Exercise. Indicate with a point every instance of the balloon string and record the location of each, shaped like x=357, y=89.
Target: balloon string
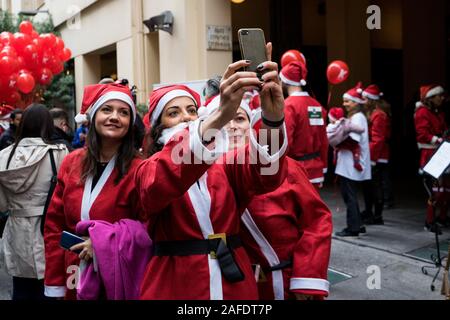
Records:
x=329, y=96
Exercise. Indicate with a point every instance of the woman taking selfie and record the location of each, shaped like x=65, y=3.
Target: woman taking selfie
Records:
x=94, y=183
x=193, y=202
x=25, y=179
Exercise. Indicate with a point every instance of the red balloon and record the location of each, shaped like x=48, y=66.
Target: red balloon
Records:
x=39, y=43
x=7, y=65
x=26, y=27
x=8, y=51
x=56, y=65
x=25, y=82
x=49, y=40
x=292, y=55
x=12, y=97
x=45, y=76
x=59, y=44
x=34, y=34
x=337, y=72
x=21, y=40
x=66, y=55
x=20, y=62
x=6, y=38
x=11, y=82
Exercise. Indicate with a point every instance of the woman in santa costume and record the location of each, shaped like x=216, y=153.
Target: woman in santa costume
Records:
x=94, y=183
x=195, y=193
x=378, y=113
x=350, y=177
x=431, y=130
x=292, y=264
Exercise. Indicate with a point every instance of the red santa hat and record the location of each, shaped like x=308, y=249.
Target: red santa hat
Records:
x=215, y=104
x=336, y=114
x=294, y=74
x=98, y=94
x=5, y=111
x=162, y=96
x=372, y=92
x=355, y=94
x=430, y=91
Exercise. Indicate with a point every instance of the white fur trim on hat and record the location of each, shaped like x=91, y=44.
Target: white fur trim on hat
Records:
x=354, y=99
x=290, y=82
x=113, y=95
x=215, y=104
x=80, y=118
x=371, y=96
x=165, y=99
x=434, y=92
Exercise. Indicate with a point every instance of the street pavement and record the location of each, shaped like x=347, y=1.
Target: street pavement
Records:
x=396, y=252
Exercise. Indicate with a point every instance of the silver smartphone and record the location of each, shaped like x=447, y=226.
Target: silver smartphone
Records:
x=253, y=47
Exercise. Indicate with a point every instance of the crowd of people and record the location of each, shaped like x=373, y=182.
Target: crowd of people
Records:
x=214, y=201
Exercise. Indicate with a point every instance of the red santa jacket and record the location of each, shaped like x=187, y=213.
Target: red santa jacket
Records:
x=191, y=200
x=113, y=203
x=297, y=209
x=379, y=135
x=307, y=136
x=430, y=126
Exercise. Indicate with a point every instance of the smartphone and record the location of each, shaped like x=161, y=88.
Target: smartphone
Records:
x=253, y=47
x=68, y=240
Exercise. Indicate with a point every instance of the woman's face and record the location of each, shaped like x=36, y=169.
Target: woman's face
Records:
x=349, y=105
x=113, y=119
x=438, y=100
x=238, y=129
x=179, y=110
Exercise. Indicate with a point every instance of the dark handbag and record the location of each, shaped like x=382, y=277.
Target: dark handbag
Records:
x=3, y=220
x=53, y=181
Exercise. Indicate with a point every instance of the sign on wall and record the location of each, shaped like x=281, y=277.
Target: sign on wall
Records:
x=219, y=38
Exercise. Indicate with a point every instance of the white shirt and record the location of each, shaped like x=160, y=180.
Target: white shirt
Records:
x=344, y=166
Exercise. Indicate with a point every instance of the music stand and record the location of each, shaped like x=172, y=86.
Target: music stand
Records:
x=435, y=169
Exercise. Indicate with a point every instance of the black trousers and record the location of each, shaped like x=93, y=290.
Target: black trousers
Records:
x=28, y=289
x=373, y=192
x=349, y=190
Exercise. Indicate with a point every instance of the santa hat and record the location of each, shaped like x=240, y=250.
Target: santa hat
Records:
x=162, y=96
x=336, y=114
x=294, y=74
x=430, y=91
x=355, y=94
x=372, y=92
x=98, y=94
x=5, y=111
x=215, y=104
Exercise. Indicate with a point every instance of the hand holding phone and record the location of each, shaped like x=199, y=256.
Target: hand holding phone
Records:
x=68, y=240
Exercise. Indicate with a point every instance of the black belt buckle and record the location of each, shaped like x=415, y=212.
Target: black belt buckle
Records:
x=230, y=270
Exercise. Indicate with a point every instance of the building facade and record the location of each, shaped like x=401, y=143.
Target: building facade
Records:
x=410, y=47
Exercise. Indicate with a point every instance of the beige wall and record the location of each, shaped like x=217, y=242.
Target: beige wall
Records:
x=63, y=9
x=97, y=29
x=183, y=55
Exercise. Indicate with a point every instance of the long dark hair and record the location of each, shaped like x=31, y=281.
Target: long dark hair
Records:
x=36, y=123
x=125, y=155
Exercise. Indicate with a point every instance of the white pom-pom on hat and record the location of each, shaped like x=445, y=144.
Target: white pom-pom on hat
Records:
x=359, y=90
x=303, y=82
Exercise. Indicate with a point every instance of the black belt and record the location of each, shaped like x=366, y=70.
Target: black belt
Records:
x=308, y=156
x=220, y=250
x=281, y=266
x=193, y=247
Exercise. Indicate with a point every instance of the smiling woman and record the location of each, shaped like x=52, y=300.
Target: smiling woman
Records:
x=96, y=186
